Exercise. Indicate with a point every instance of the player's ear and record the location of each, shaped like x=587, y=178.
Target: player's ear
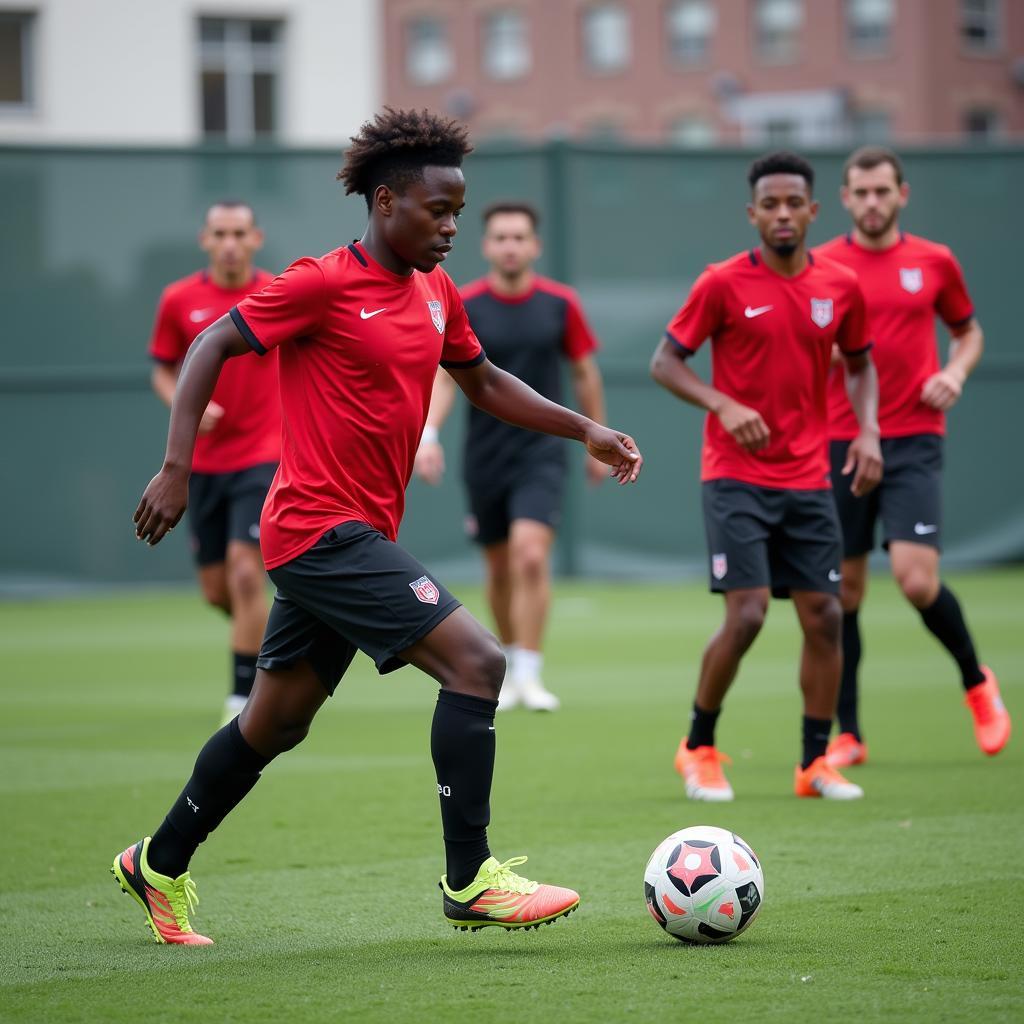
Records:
x=204, y=239
x=814, y=206
x=844, y=196
x=904, y=193
x=257, y=239
x=384, y=200
x=751, y=213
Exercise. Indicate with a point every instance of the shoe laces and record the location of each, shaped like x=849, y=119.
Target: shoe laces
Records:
x=503, y=877
x=183, y=898
x=708, y=763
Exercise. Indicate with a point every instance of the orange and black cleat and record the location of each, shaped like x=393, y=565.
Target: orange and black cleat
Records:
x=991, y=719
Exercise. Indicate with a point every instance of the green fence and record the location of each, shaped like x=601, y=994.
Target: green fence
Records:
x=91, y=236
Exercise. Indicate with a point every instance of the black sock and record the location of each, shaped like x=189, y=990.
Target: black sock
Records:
x=945, y=619
x=702, y=727
x=846, y=710
x=226, y=769
x=245, y=673
x=462, y=746
x=816, y=732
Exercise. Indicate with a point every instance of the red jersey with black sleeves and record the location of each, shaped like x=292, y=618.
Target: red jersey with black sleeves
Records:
x=907, y=286
x=249, y=432
x=771, y=344
x=359, y=347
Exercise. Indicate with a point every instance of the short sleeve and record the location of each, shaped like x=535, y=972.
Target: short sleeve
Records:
x=953, y=302
x=700, y=316
x=852, y=336
x=462, y=348
x=290, y=306
x=579, y=340
x=167, y=344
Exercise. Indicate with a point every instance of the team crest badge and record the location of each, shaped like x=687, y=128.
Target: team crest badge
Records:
x=719, y=566
x=425, y=591
x=436, y=314
x=821, y=312
x=911, y=279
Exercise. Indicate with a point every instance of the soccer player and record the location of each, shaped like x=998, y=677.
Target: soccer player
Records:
x=361, y=332
x=773, y=315
x=238, y=446
x=907, y=281
x=514, y=479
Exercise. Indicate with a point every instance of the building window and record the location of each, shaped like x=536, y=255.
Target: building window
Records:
x=240, y=71
x=983, y=124
x=869, y=25
x=606, y=37
x=778, y=24
x=980, y=24
x=16, y=59
x=689, y=26
x=870, y=125
x=506, y=49
x=692, y=132
x=428, y=53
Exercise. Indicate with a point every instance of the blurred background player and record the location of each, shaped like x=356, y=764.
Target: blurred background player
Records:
x=907, y=281
x=773, y=315
x=515, y=478
x=239, y=440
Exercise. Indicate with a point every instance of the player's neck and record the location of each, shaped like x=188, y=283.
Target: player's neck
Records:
x=877, y=243
x=518, y=284
x=230, y=280
x=786, y=266
x=373, y=242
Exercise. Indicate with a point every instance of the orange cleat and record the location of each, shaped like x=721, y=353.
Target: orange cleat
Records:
x=991, y=719
x=701, y=769
x=846, y=750
x=819, y=779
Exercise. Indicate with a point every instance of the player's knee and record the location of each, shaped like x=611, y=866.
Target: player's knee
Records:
x=851, y=594
x=217, y=596
x=245, y=582
x=824, y=621
x=531, y=562
x=745, y=621
x=481, y=668
x=919, y=586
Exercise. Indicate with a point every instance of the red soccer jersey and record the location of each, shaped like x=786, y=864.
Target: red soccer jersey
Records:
x=771, y=344
x=250, y=430
x=906, y=286
x=356, y=375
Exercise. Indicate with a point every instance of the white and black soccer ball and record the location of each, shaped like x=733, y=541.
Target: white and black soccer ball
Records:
x=704, y=884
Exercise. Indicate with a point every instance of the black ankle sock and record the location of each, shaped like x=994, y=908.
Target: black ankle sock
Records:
x=846, y=710
x=245, y=673
x=945, y=619
x=226, y=769
x=702, y=727
x=815, y=732
x=462, y=746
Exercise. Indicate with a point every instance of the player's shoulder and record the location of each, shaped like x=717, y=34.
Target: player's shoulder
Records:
x=828, y=268
x=924, y=248
x=186, y=285
x=835, y=248
x=474, y=289
x=549, y=286
x=736, y=266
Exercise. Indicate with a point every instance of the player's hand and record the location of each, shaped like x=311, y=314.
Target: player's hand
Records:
x=614, y=449
x=211, y=417
x=941, y=390
x=864, y=460
x=429, y=462
x=745, y=426
x=162, y=506
x=597, y=472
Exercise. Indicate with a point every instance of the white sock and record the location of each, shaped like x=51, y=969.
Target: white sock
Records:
x=511, y=658
x=528, y=664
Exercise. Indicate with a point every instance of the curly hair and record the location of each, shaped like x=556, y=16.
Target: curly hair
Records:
x=782, y=162
x=396, y=145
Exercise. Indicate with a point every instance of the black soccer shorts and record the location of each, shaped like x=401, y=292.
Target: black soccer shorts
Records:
x=223, y=507
x=534, y=492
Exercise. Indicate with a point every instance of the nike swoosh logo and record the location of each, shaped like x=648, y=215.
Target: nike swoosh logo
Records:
x=834, y=577
x=199, y=315
x=366, y=316
x=750, y=312
x=922, y=528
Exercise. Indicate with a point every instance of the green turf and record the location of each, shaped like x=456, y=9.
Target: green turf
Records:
x=321, y=890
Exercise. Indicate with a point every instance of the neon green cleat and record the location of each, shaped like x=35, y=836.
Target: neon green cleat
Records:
x=498, y=896
x=166, y=901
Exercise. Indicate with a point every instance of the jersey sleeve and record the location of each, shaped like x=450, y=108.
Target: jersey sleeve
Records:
x=953, y=302
x=167, y=344
x=699, y=317
x=290, y=306
x=462, y=348
x=579, y=340
x=852, y=336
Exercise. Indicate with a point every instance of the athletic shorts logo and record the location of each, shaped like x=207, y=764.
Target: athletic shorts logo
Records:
x=254, y=531
x=834, y=576
x=923, y=529
x=911, y=279
x=425, y=591
x=719, y=566
x=821, y=312
x=436, y=314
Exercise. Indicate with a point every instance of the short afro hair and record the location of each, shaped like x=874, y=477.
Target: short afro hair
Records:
x=396, y=145
x=781, y=162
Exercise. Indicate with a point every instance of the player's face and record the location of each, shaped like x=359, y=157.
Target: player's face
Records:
x=231, y=239
x=510, y=244
x=874, y=198
x=782, y=210
x=421, y=224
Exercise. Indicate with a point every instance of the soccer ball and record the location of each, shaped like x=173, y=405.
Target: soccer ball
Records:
x=704, y=884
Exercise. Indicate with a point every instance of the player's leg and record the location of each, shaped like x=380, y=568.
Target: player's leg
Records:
x=498, y=589
x=213, y=585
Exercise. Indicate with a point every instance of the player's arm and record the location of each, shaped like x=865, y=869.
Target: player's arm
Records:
x=509, y=399
x=864, y=456
x=429, y=464
x=164, y=500
x=589, y=390
x=966, y=344
x=669, y=367
x=164, y=379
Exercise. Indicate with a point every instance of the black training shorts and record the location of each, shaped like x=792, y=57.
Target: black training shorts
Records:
x=531, y=493
x=353, y=590
x=769, y=537
x=223, y=507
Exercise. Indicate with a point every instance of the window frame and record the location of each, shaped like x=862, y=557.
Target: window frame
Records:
x=675, y=58
x=995, y=17
x=868, y=48
x=487, y=19
x=778, y=59
x=407, y=49
x=27, y=19
x=587, y=12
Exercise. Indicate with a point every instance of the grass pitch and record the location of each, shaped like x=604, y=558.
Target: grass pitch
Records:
x=321, y=890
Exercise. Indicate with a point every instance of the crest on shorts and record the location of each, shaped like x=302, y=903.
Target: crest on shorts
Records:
x=911, y=279
x=821, y=312
x=425, y=591
x=436, y=314
x=719, y=566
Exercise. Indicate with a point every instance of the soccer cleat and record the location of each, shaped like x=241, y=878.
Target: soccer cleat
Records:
x=991, y=719
x=820, y=779
x=509, y=696
x=498, y=896
x=701, y=769
x=846, y=750
x=166, y=901
x=534, y=696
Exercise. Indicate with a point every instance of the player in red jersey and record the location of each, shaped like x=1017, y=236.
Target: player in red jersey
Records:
x=361, y=333
x=239, y=442
x=907, y=281
x=773, y=315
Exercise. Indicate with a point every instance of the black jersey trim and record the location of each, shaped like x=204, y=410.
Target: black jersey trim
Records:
x=358, y=255
x=463, y=364
x=165, y=362
x=753, y=257
x=246, y=331
x=962, y=323
x=860, y=351
x=810, y=257
x=681, y=350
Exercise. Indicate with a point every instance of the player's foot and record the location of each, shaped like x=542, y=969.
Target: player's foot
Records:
x=166, y=901
x=846, y=750
x=991, y=719
x=701, y=769
x=534, y=695
x=232, y=708
x=820, y=779
x=498, y=896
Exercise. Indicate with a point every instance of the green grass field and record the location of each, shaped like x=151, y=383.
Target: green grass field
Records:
x=321, y=890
